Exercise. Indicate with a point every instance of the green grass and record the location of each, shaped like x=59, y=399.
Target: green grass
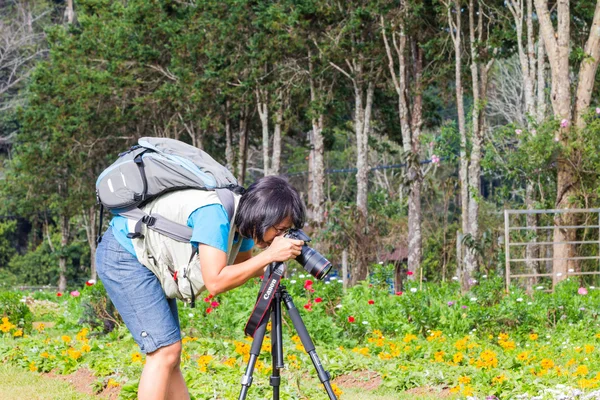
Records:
x=18, y=384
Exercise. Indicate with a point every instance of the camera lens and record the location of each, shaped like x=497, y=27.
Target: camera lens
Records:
x=313, y=262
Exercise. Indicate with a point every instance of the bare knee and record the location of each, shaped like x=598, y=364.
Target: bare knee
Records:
x=168, y=356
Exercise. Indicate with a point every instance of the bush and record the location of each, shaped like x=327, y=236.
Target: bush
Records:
x=16, y=311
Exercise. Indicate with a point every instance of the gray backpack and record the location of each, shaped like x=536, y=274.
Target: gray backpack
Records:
x=156, y=166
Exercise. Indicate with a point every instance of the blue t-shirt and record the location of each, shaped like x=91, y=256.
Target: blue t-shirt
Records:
x=210, y=226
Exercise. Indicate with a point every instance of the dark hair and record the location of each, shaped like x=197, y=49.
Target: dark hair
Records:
x=267, y=202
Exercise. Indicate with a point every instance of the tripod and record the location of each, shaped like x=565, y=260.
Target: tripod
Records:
x=282, y=296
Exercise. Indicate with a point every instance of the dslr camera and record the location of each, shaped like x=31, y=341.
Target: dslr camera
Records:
x=310, y=259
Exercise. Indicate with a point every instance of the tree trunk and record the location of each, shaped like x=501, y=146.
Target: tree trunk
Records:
x=541, y=81
x=91, y=232
x=317, y=162
x=362, y=120
x=531, y=251
x=262, y=104
x=557, y=48
x=70, y=12
x=276, y=158
x=62, y=259
x=243, y=145
x=229, y=155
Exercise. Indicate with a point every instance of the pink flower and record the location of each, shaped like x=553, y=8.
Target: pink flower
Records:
x=556, y=139
x=59, y=294
x=564, y=123
x=214, y=304
x=207, y=300
x=318, y=300
x=371, y=302
x=209, y=310
x=409, y=273
x=398, y=293
x=351, y=319
x=582, y=291
x=518, y=131
x=75, y=293
x=435, y=159
x=533, y=131
x=308, y=283
x=597, y=110
x=91, y=282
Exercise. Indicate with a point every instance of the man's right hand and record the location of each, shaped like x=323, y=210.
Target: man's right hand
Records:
x=284, y=249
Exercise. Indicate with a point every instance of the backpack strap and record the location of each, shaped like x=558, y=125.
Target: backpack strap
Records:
x=227, y=200
x=162, y=225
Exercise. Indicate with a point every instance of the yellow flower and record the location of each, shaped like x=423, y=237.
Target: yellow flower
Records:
x=547, y=363
x=523, y=356
x=74, y=354
x=188, y=339
x=6, y=325
x=439, y=356
x=45, y=355
x=41, y=327
x=503, y=336
x=230, y=362
x=468, y=391
x=570, y=362
x=507, y=344
x=18, y=332
x=464, y=380
x=597, y=336
x=336, y=390
x=533, y=336
x=82, y=335
x=86, y=348
x=363, y=350
x=455, y=389
x=434, y=335
x=458, y=357
x=462, y=343
x=112, y=383
x=136, y=357
x=581, y=370
x=409, y=337
x=589, y=348
x=498, y=379
x=66, y=338
x=32, y=366
x=266, y=347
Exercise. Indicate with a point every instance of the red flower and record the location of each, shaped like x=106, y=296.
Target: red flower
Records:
x=209, y=310
x=370, y=285
x=371, y=302
x=398, y=293
x=210, y=296
x=214, y=304
x=91, y=282
x=308, y=306
x=318, y=300
x=207, y=299
x=59, y=294
x=351, y=319
x=308, y=283
x=409, y=273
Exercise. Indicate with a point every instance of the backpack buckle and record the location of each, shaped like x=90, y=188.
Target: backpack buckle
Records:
x=149, y=220
x=135, y=235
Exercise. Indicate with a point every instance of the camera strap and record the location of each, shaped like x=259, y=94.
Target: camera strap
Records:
x=265, y=297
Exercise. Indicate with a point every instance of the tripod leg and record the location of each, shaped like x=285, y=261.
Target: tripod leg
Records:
x=308, y=343
x=254, y=352
x=276, y=345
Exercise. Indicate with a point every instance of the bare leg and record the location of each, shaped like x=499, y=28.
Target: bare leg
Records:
x=162, y=376
x=177, y=387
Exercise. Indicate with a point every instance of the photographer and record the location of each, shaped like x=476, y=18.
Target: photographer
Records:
x=263, y=214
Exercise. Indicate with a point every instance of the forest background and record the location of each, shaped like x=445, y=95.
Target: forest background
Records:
x=407, y=125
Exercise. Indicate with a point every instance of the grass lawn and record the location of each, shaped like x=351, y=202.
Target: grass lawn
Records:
x=18, y=384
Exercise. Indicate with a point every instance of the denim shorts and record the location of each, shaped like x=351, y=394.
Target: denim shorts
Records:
x=138, y=296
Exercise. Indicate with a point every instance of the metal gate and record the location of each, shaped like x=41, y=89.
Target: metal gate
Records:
x=519, y=236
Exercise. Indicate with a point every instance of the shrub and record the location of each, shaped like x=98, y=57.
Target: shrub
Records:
x=15, y=310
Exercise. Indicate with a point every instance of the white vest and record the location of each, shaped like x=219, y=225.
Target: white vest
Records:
x=168, y=258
